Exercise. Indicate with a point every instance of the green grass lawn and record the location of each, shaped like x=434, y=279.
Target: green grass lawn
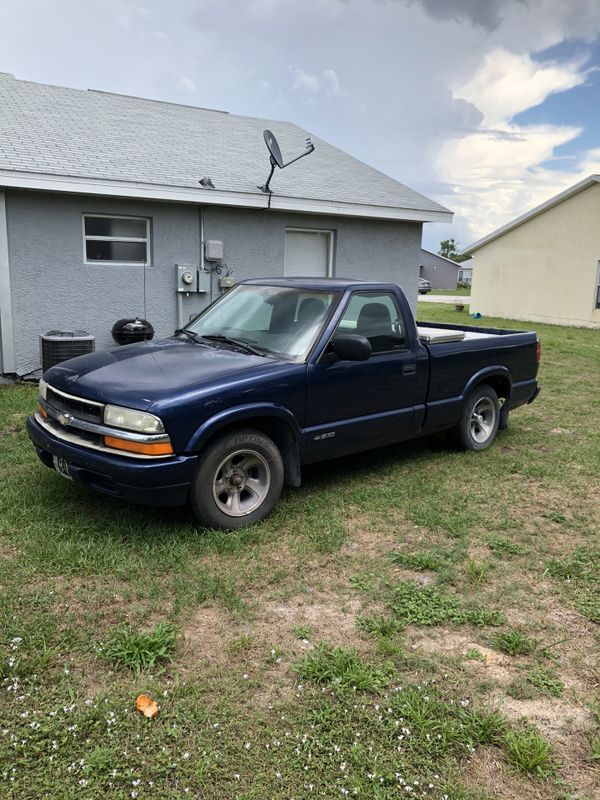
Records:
x=452, y=292
x=414, y=622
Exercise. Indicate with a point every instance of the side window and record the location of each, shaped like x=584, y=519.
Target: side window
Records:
x=377, y=318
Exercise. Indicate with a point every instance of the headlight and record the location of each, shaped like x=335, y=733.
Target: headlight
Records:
x=131, y=420
x=43, y=387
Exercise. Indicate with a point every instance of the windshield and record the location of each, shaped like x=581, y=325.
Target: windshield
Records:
x=277, y=320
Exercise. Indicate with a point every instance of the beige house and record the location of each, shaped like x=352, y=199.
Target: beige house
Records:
x=545, y=265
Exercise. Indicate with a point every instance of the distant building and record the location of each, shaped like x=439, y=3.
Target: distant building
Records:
x=105, y=200
x=545, y=265
x=441, y=272
x=465, y=271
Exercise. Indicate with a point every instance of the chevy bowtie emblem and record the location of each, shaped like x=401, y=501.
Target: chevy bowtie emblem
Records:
x=65, y=418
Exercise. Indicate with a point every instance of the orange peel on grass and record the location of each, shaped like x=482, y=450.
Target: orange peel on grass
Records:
x=146, y=706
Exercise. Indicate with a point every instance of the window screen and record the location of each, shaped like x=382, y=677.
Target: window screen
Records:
x=123, y=240
x=307, y=254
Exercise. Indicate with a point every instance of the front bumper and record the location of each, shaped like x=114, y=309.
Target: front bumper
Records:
x=156, y=482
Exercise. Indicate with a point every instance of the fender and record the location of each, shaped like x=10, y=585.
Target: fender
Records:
x=487, y=372
x=238, y=414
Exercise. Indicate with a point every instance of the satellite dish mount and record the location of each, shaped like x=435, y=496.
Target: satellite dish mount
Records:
x=276, y=158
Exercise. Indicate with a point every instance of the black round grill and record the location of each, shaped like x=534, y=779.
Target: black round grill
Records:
x=128, y=331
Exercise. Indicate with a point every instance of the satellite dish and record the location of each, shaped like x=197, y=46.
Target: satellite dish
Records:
x=273, y=148
x=276, y=158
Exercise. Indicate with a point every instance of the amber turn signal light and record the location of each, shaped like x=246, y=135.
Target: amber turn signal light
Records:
x=154, y=449
x=42, y=410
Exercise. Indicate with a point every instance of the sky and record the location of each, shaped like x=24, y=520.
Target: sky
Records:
x=489, y=107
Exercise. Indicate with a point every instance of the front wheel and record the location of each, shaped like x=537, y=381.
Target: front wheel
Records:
x=479, y=423
x=238, y=481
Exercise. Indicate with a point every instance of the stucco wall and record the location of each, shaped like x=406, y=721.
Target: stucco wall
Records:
x=441, y=273
x=546, y=269
x=52, y=287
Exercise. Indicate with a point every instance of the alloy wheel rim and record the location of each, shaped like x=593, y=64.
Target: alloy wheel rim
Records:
x=241, y=483
x=483, y=419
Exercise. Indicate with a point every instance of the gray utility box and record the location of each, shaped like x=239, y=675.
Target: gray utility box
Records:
x=213, y=250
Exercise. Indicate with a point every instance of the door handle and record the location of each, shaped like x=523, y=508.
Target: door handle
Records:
x=409, y=369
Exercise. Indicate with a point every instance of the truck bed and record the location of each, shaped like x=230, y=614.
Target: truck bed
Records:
x=452, y=362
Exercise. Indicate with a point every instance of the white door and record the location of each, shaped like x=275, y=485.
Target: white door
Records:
x=307, y=254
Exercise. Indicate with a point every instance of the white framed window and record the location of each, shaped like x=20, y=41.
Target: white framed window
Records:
x=308, y=253
x=110, y=239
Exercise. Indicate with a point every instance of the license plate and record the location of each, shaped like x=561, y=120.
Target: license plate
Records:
x=62, y=467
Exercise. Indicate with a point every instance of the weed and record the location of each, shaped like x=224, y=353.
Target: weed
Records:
x=378, y=625
x=514, y=642
x=529, y=752
x=476, y=572
x=587, y=601
x=342, y=668
x=364, y=581
x=595, y=748
x=582, y=564
x=241, y=644
x=140, y=651
x=420, y=562
x=546, y=681
x=428, y=605
x=502, y=546
x=274, y=656
x=475, y=655
x=302, y=632
x=555, y=516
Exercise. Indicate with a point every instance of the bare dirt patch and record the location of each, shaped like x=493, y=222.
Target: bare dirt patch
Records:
x=487, y=770
x=445, y=642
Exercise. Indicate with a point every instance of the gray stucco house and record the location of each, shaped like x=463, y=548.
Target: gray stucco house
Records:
x=100, y=200
x=441, y=272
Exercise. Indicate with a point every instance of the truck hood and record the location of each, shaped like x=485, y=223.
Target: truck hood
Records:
x=137, y=375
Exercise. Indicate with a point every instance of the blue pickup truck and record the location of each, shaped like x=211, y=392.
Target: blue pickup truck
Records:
x=277, y=373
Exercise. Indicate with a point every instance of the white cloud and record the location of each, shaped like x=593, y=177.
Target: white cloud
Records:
x=186, y=84
x=507, y=83
x=499, y=170
x=332, y=84
x=302, y=80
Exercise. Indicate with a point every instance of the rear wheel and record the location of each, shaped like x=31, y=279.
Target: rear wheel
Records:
x=479, y=423
x=238, y=481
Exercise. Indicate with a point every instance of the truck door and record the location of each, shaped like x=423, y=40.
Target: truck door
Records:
x=354, y=405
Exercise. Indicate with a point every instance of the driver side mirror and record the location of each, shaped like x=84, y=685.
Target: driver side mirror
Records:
x=348, y=347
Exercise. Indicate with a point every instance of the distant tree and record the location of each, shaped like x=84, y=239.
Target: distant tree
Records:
x=448, y=249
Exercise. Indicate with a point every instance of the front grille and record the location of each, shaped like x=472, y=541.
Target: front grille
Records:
x=84, y=436
x=77, y=406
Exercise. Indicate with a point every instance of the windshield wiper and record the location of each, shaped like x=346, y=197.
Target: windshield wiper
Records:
x=219, y=337
x=190, y=334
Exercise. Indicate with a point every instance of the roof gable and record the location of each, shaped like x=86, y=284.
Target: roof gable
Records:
x=553, y=201
x=71, y=137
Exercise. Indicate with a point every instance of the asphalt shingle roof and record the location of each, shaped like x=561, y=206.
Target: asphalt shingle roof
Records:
x=56, y=131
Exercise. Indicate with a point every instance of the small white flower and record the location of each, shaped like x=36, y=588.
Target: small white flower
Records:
x=186, y=755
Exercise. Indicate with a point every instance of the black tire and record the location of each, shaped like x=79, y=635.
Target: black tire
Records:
x=245, y=464
x=481, y=416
